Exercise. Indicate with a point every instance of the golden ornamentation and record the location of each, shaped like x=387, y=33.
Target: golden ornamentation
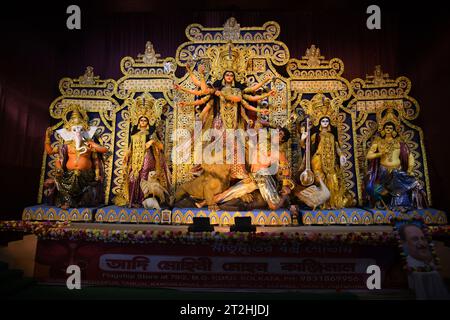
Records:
x=377, y=100
x=379, y=78
x=379, y=87
x=145, y=106
x=229, y=110
x=268, y=32
x=78, y=117
x=266, y=52
x=260, y=50
x=122, y=132
x=88, y=78
x=314, y=66
x=313, y=74
x=259, y=65
x=93, y=96
x=228, y=58
x=143, y=76
x=138, y=142
x=260, y=40
x=389, y=116
x=327, y=151
x=76, y=87
x=231, y=30
x=313, y=57
x=150, y=56
x=387, y=147
x=320, y=106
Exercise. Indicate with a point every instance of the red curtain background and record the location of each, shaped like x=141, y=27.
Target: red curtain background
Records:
x=37, y=51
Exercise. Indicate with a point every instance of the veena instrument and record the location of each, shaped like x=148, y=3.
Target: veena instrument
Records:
x=307, y=176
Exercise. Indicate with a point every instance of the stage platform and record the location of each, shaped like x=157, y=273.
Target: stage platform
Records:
x=335, y=229
x=332, y=257
x=154, y=255
x=281, y=217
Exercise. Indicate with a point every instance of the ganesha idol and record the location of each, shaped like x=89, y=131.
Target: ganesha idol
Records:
x=78, y=168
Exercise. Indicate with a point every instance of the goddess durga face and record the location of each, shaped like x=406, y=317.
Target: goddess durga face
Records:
x=229, y=77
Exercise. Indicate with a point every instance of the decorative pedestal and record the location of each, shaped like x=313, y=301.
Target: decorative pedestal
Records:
x=385, y=216
x=51, y=213
x=345, y=216
x=130, y=215
x=430, y=216
x=259, y=217
x=358, y=216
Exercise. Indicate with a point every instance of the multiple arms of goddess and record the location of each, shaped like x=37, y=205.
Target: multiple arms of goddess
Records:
x=199, y=83
x=251, y=108
x=255, y=87
x=195, y=102
x=260, y=97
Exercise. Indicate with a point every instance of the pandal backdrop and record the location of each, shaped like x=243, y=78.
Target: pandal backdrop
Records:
x=151, y=78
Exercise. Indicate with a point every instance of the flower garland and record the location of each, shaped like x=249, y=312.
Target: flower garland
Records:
x=30, y=226
x=439, y=231
x=63, y=231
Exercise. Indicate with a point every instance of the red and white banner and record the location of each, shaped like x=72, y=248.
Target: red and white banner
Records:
x=218, y=265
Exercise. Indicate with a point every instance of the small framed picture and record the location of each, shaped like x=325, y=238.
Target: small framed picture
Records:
x=166, y=216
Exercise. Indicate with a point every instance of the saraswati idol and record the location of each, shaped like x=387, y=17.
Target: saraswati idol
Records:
x=327, y=155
